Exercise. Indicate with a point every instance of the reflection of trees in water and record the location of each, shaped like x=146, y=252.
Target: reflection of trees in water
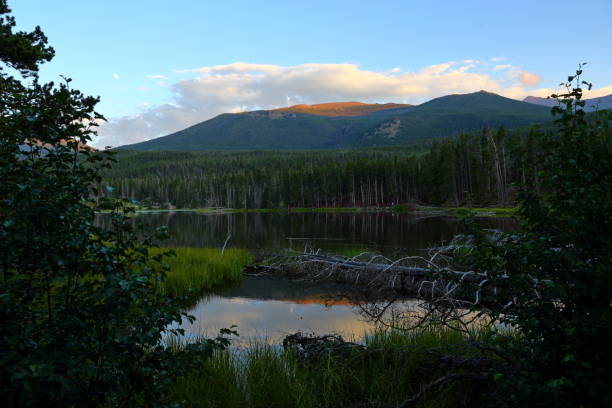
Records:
x=379, y=231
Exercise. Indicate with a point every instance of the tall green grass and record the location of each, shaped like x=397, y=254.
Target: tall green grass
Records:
x=399, y=365
x=482, y=212
x=194, y=270
x=353, y=252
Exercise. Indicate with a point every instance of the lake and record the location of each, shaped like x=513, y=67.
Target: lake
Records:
x=386, y=232
x=270, y=308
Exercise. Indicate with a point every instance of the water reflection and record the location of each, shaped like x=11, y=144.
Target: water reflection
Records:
x=272, y=308
x=384, y=232
x=272, y=319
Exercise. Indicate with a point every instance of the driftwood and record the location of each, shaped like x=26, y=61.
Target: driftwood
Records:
x=377, y=279
x=311, y=348
x=406, y=292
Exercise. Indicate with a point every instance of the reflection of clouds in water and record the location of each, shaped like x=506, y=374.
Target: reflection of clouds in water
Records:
x=274, y=319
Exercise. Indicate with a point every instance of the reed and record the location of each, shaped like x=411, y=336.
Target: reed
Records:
x=356, y=252
x=265, y=375
x=194, y=270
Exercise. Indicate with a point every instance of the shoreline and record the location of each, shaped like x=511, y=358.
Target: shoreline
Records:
x=427, y=210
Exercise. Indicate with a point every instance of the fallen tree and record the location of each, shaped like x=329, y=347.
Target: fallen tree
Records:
x=406, y=292
x=435, y=277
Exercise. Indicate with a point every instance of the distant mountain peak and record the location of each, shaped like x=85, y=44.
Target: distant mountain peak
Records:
x=536, y=100
x=603, y=102
x=341, y=108
x=482, y=92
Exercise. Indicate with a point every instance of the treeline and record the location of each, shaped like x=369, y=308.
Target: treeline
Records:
x=471, y=169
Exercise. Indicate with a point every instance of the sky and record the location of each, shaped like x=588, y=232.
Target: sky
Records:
x=161, y=66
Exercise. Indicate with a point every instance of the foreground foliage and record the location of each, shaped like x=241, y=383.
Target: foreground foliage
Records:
x=393, y=366
x=559, y=269
x=80, y=317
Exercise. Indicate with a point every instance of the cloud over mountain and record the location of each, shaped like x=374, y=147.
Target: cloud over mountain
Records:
x=529, y=79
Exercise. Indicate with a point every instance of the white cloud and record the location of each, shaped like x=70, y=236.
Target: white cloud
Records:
x=529, y=79
x=116, y=76
x=393, y=71
x=143, y=88
x=502, y=67
x=237, y=87
x=597, y=93
x=236, y=67
x=437, y=69
x=497, y=59
x=155, y=76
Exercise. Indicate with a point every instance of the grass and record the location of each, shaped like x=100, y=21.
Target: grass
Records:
x=497, y=212
x=284, y=210
x=194, y=270
x=397, y=209
x=264, y=375
x=403, y=208
x=476, y=211
x=351, y=252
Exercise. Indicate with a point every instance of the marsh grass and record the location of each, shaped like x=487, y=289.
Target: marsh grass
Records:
x=355, y=252
x=264, y=375
x=482, y=212
x=217, y=210
x=194, y=270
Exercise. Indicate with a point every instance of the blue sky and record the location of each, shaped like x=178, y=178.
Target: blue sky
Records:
x=160, y=66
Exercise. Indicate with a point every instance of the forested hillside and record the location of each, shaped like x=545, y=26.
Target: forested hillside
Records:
x=299, y=128
x=477, y=168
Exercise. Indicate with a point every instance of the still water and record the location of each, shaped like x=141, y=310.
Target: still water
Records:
x=270, y=308
x=386, y=233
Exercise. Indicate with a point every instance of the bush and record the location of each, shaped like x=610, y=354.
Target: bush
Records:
x=81, y=321
x=559, y=269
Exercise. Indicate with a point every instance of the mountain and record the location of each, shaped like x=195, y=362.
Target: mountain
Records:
x=351, y=124
x=536, y=100
x=342, y=108
x=593, y=104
